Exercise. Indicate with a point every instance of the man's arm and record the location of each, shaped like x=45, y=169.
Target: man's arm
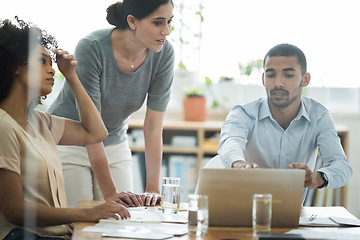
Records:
x=233, y=139
x=336, y=169
x=244, y=164
x=312, y=179
x=335, y=164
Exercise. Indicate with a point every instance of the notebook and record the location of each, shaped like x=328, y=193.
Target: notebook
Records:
x=230, y=193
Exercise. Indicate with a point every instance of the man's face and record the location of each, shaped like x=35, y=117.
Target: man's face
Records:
x=284, y=81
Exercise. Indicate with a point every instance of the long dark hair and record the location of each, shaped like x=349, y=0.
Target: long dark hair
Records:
x=117, y=13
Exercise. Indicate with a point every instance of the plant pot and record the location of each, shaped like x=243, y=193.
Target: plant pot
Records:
x=194, y=108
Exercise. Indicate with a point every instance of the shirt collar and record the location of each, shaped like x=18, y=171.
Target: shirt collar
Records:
x=303, y=112
x=265, y=110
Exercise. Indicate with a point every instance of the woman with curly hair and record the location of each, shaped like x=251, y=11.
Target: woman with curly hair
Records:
x=32, y=197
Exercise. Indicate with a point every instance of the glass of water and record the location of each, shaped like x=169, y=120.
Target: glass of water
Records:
x=198, y=214
x=261, y=212
x=170, y=195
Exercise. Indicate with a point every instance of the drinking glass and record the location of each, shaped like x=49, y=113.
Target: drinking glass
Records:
x=170, y=195
x=198, y=214
x=261, y=212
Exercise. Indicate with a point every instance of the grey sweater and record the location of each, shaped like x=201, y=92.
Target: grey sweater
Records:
x=116, y=93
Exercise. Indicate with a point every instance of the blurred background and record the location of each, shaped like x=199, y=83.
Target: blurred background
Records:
x=220, y=46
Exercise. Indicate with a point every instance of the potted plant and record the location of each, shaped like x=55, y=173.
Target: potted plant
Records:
x=194, y=105
x=186, y=35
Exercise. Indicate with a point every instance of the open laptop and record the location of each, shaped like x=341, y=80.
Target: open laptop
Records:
x=230, y=193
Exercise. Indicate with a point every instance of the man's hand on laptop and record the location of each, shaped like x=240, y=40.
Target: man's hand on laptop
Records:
x=312, y=179
x=244, y=164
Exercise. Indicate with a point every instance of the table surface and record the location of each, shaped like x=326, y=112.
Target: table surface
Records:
x=233, y=233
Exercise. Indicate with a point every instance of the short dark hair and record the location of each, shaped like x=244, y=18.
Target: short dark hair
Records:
x=16, y=42
x=117, y=13
x=288, y=50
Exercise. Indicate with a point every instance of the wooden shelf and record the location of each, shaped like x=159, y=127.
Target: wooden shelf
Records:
x=181, y=125
x=203, y=147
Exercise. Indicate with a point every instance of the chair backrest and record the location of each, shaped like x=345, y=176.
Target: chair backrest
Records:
x=215, y=162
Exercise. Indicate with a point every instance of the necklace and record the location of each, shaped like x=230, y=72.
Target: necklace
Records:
x=134, y=62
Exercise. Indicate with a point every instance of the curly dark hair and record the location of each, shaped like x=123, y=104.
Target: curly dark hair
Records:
x=16, y=41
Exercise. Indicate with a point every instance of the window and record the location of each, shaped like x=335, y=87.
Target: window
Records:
x=243, y=30
x=233, y=31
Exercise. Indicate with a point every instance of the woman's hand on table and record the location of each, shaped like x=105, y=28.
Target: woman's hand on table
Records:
x=127, y=199
x=106, y=210
x=150, y=198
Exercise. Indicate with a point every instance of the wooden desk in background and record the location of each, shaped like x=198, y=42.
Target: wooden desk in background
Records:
x=214, y=233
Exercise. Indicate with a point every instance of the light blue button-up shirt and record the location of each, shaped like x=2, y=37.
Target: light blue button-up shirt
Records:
x=250, y=133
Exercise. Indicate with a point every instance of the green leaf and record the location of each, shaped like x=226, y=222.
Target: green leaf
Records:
x=181, y=65
x=194, y=92
x=251, y=65
x=214, y=104
x=208, y=81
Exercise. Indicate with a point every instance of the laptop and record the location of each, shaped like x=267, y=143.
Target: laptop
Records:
x=230, y=193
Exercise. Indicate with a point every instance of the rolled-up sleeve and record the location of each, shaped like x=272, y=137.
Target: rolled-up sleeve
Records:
x=233, y=137
x=335, y=164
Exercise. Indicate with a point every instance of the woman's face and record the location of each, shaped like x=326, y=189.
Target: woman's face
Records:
x=153, y=30
x=38, y=73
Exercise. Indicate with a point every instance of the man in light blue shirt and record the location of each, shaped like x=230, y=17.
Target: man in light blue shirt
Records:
x=284, y=129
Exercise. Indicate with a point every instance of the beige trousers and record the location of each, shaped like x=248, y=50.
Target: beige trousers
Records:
x=80, y=182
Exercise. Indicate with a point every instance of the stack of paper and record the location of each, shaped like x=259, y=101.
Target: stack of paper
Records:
x=137, y=217
x=145, y=223
x=138, y=230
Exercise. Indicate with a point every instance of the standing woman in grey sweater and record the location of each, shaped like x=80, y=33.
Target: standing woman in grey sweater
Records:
x=121, y=68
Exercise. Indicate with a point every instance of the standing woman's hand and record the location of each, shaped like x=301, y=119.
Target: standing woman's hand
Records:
x=151, y=198
x=127, y=199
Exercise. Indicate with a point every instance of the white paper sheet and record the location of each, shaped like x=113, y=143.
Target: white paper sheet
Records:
x=319, y=222
x=138, y=229
x=346, y=221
